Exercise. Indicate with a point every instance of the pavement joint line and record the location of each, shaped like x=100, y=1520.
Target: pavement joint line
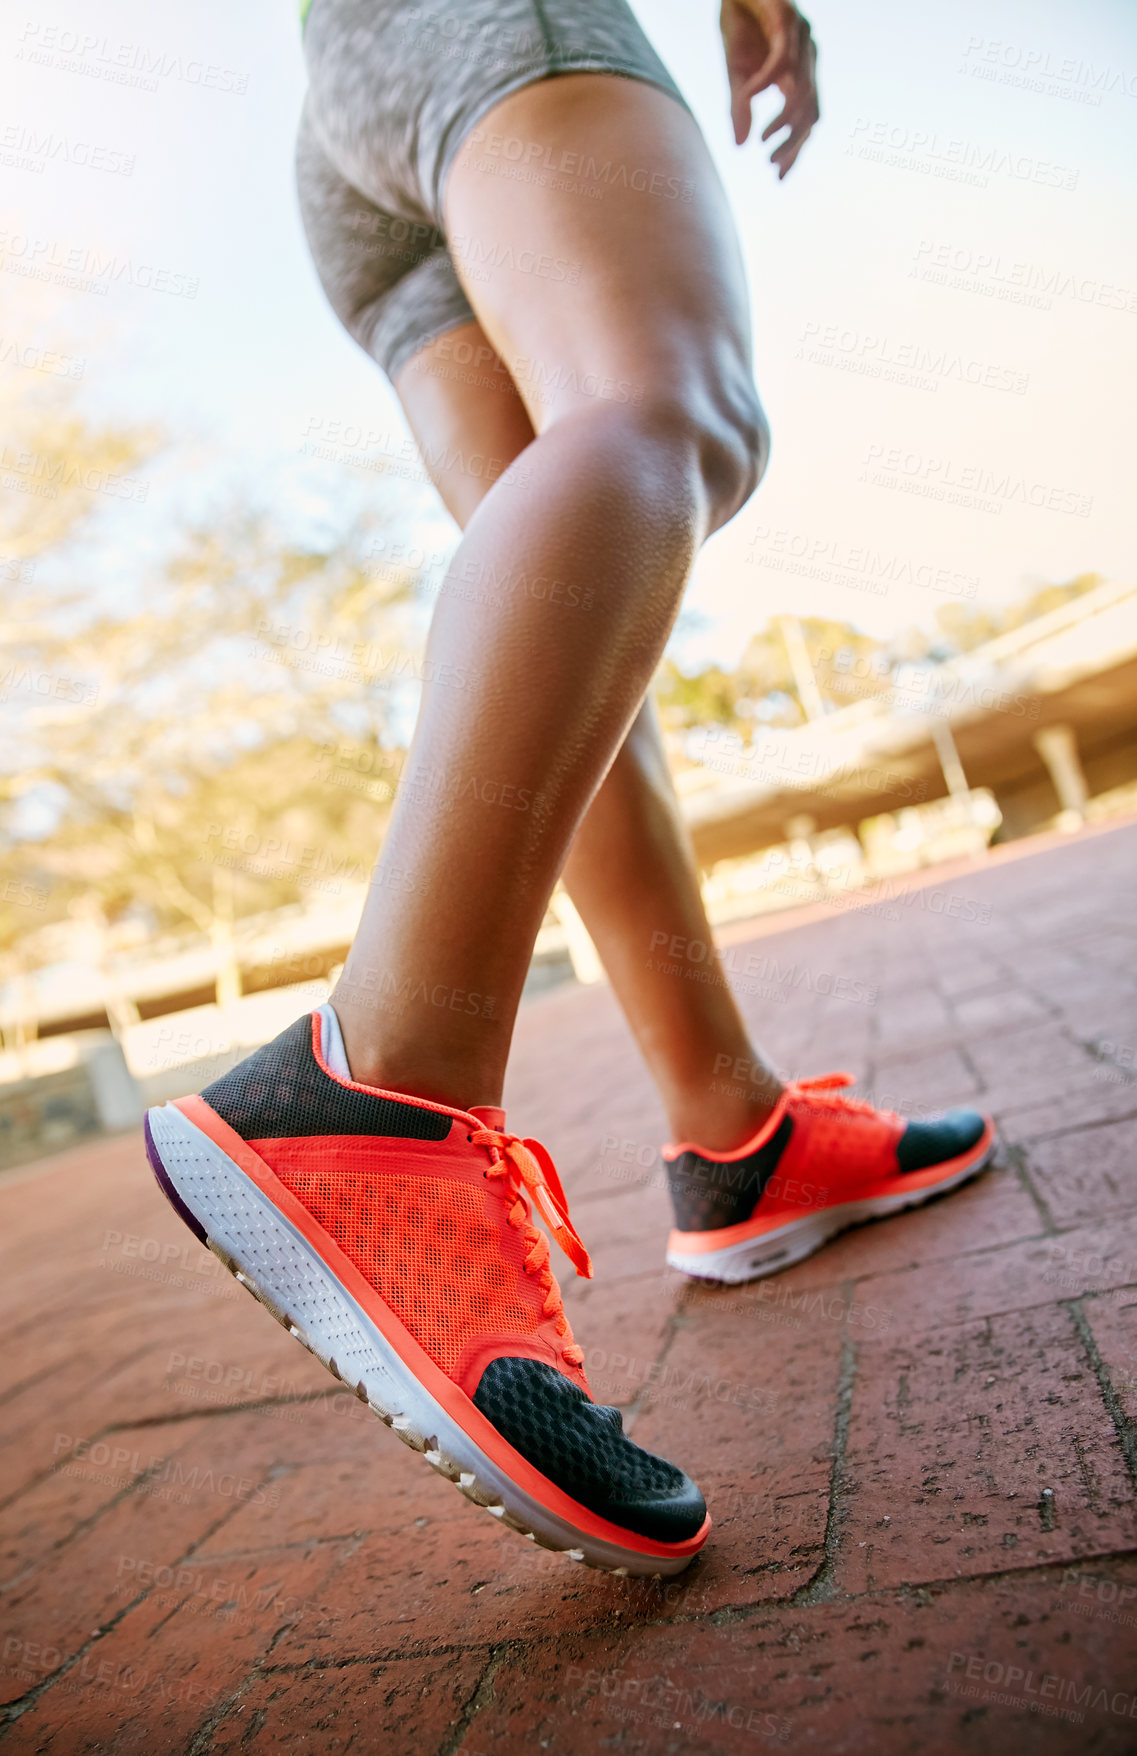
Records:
x=483, y=1693
x=207, y=1411
x=725, y=1616
x=177, y=1417
x=17, y=1389
x=730, y=1613
x=1125, y=1428
x=202, y=1738
x=77, y=1530
x=301, y=1546
x=15, y=1709
x=1017, y=1157
x=820, y=1588
x=1079, y=1127
x=677, y=1319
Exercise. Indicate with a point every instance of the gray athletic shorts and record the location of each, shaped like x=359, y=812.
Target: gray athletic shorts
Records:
x=394, y=91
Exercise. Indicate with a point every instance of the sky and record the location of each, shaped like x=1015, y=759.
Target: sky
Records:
x=944, y=289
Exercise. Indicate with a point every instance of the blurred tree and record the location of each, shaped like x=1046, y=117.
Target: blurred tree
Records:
x=764, y=690
x=965, y=627
x=847, y=664
x=220, y=743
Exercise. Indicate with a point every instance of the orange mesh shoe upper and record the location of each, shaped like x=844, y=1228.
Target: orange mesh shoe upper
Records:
x=429, y=1203
x=842, y=1137
x=442, y=1233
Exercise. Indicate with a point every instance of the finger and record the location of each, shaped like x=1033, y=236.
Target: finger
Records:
x=798, y=111
x=773, y=63
x=785, y=155
x=740, y=114
x=779, y=122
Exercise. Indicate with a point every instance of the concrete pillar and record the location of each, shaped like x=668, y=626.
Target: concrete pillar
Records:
x=804, y=677
x=586, y=964
x=1058, y=747
x=949, y=760
x=118, y=1096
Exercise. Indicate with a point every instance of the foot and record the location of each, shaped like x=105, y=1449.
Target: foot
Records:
x=393, y=1238
x=823, y=1162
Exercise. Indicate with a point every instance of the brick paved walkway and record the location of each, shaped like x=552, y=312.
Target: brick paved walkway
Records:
x=919, y=1447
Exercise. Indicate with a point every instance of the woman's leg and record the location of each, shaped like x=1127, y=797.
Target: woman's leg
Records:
x=565, y=586
x=630, y=872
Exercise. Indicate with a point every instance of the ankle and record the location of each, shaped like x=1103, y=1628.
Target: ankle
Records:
x=724, y=1118
x=723, y=1124
x=458, y=1074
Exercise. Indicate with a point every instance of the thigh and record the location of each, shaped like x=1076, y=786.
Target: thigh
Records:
x=613, y=270
x=389, y=279
x=468, y=421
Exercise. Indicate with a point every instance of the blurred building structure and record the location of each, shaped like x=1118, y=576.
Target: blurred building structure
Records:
x=1034, y=730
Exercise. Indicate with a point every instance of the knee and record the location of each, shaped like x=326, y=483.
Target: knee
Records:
x=724, y=431
x=735, y=448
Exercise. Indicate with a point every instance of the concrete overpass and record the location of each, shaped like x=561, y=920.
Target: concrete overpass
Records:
x=1045, y=717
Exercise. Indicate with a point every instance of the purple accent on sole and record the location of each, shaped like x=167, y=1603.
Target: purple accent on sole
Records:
x=168, y=1189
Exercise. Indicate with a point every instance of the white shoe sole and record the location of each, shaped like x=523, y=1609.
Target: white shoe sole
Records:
x=266, y=1253
x=771, y=1252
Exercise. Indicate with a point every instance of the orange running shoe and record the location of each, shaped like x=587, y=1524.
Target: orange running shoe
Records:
x=393, y=1238
x=821, y=1163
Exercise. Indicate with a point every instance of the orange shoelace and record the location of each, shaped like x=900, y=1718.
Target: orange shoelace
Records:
x=822, y=1092
x=526, y=1165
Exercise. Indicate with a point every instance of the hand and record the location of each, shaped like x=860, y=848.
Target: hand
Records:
x=767, y=42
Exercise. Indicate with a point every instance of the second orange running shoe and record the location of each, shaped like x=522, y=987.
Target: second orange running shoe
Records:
x=823, y=1161
x=393, y=1238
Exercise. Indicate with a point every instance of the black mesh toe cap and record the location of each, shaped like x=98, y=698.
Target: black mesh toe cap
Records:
x=924, y=1144
x=583, y=1448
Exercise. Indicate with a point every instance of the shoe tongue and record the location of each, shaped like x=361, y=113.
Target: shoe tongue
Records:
x=491, y=1116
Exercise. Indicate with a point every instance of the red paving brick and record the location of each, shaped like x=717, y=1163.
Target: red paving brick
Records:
x=920, y=1447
